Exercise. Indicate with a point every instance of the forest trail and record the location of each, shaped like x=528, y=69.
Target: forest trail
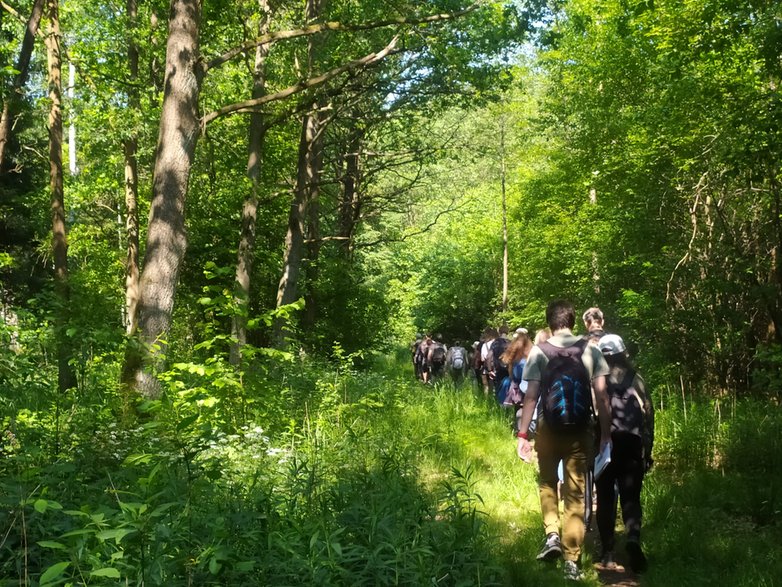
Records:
x=618, y=577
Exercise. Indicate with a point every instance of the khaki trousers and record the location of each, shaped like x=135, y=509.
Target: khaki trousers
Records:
x=575, y=450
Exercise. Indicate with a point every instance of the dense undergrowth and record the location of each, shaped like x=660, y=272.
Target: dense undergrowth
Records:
x=324, y=475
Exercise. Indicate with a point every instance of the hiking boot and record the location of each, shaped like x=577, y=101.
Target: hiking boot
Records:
x=552, y=549
x=572, y=572
x=607, y=560
x=637, y=558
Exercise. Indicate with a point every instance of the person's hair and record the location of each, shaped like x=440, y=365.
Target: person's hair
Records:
x=503, y=330
x=518, y=349
x=560, y=314
x=491, y=333
x=593, y=316
x=542, y=335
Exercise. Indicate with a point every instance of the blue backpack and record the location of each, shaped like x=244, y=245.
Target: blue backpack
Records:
x=566, y=389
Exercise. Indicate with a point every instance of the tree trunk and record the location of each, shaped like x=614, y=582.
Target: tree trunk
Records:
x=23, y=67
x=131, y=180
x=313, y=226
x=166, y=238
x=504, y=219
x=66, y=377
x=287, y=291
x=350, y=204
x=306, y=181
x=250, y=208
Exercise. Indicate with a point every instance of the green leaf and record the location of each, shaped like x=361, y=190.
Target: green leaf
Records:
x=214, y=565
x=52, y=544
x=115, y=533
x=53, y=572
x=82, y=532
x=109, y=572
x=185, y=422
x=40, y=505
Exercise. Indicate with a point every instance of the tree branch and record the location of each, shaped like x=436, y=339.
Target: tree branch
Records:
x=252, y=105
x=427, y=228
x=330, y=26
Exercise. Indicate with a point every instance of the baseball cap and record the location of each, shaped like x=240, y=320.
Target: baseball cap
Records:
x=612, y=344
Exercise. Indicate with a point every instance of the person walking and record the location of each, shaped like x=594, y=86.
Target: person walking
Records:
x=632, y=436
x=515, y=356
x=422, y=357
x=593, y=322
x=560, y=371
x=489, y=334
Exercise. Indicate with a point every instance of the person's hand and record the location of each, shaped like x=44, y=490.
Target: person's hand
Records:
x=524, y=449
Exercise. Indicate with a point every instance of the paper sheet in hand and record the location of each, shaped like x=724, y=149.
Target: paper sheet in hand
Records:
x=602, y=460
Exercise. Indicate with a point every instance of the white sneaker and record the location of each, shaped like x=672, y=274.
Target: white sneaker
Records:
x=552, y=549
x=572, y=572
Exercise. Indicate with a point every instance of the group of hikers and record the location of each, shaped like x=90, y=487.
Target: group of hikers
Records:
x=585, y=407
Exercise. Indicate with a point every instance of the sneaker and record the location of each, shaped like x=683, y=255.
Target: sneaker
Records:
x=637, y=558
x=552, y=549
x=607, y=561
x=572, y=572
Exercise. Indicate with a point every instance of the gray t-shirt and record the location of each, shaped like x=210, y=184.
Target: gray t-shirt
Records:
x=592, y=358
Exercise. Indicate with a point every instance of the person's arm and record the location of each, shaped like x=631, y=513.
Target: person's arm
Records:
x=648, y=409
x=523, y=445
x=603, y=408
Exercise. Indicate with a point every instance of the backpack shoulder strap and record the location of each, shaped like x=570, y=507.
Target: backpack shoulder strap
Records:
x=552, y=351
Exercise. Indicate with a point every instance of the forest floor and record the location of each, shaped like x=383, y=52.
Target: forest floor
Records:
x=621, y=576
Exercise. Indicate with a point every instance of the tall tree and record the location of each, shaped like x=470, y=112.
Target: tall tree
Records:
x=66, y=376
x=131, y=177
x=20, y=79
x=257, y=136
x=305, y=193
x=166, y=238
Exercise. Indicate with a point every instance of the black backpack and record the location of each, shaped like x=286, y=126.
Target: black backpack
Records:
x=438, y=354
x=565, y=387
x=627, y=414
x=497, y=349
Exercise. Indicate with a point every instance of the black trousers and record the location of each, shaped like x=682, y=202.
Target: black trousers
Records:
x=622, y=478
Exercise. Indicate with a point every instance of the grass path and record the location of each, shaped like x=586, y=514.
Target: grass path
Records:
x=705, y=523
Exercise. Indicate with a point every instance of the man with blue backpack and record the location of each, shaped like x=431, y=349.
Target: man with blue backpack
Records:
x=563, y=372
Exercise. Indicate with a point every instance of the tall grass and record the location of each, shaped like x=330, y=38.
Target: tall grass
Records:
x=325, y=475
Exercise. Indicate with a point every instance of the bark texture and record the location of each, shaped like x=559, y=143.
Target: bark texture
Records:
x=66, y=377
x=166, y=238
x=23, y=67
x=309, y=162
x=246, y=250
x=132, y=271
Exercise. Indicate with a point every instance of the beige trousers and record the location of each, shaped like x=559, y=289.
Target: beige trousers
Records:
x=575, y=450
